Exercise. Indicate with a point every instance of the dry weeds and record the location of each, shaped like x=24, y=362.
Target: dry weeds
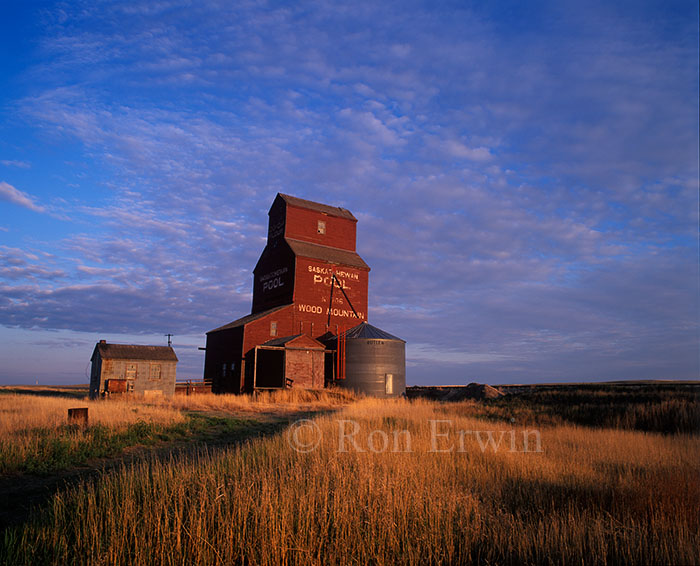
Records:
x=591, y=496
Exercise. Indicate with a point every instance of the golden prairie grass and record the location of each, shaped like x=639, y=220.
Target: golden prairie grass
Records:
x=281, y=402
x=590, y=496
x=21, y=413
x=35, y=434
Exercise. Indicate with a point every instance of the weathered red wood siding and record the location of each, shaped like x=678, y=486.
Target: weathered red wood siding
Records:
x=312, y=296
x=302, y=224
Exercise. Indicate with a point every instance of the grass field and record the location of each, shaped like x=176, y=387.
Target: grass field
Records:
x=363, y=481
x=35, y=435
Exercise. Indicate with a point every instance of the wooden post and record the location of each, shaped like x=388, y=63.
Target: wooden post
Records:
x=78, y=416
x=255, y=369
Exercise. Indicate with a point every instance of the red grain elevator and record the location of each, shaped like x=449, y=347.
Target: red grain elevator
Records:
x=308, y=281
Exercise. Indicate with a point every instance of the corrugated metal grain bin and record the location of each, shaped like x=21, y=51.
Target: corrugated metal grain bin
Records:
x=375, y=361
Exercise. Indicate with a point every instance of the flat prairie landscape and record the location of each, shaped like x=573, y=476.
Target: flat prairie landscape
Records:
x=577, y=474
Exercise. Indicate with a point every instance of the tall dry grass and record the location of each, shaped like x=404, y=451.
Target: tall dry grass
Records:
x=35, y=434
x=281, y=402
x=591, y=496
x=21, y=413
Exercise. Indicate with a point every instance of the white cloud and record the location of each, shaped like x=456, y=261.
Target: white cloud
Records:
x=458, y=149
x=420, y=352
x=13, y=195
x=16, y=163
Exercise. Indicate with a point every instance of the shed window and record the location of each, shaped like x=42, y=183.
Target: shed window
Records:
x=321, y=227
x=155, y=371
x=223, y=370
x=273, y=329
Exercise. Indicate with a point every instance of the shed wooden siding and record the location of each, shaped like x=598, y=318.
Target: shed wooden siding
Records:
x=139, y=372
x=296, y=361
x=305, y=368
x=143, y=384
x=96, y=383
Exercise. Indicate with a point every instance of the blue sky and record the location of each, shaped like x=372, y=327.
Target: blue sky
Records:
x=525, y=176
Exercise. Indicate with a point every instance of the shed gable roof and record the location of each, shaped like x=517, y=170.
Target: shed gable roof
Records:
x=296, y=341
x=134, y=352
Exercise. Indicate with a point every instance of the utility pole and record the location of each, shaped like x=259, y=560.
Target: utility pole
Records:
x=170, y=342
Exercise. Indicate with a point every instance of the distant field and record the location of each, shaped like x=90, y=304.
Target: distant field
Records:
x=576, y=474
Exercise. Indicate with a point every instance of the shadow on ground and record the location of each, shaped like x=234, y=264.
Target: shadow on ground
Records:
x=23, y=495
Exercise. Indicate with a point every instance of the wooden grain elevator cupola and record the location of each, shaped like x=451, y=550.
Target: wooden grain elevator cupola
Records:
x=308, y=242
x=310, y=252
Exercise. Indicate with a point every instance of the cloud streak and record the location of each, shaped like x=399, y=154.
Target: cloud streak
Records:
x=15, y=196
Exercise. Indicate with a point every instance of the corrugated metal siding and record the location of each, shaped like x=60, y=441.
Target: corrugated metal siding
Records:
x=370, y=361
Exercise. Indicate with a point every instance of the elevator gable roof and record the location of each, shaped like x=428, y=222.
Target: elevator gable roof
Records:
x=311, y=205
x=246, y=319
x=325, y=253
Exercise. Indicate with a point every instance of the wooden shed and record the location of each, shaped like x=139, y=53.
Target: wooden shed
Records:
x=127, y=369
x=293, y=361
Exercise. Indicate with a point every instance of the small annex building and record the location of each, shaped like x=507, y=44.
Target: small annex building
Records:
x=291, y=361
x=127, y=369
